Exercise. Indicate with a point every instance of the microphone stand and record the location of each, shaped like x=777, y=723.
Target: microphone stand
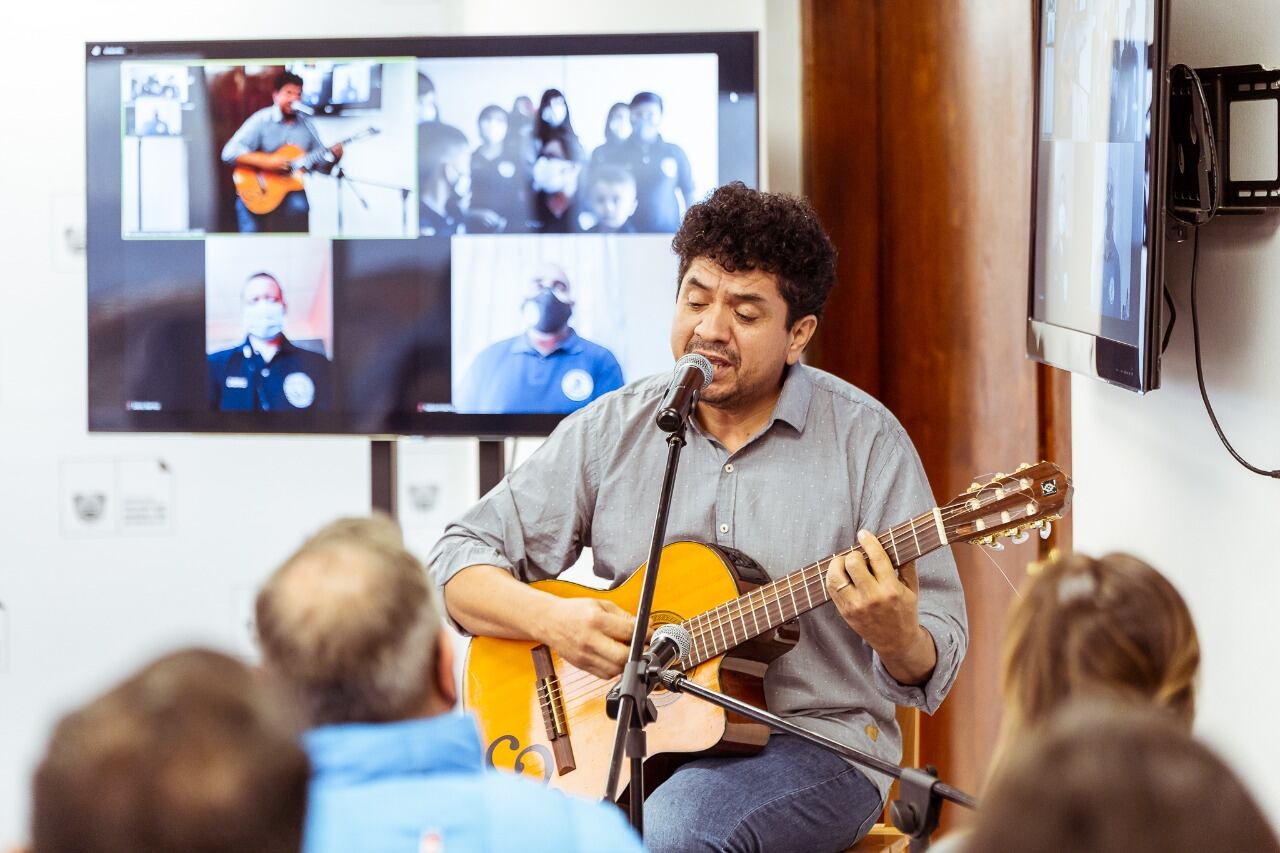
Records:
x=628, y=702
x=917, y=808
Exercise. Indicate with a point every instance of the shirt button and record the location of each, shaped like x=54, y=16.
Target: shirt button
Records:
x=724, y=528
x=266, y=372
x=728, y=469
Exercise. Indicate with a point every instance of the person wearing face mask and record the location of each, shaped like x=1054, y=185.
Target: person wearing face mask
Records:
x=555, y=191
x=552, y=123
x=617, y=130
x=548, y=368
x=664, y=179
x=499, y=178
x=267, y=372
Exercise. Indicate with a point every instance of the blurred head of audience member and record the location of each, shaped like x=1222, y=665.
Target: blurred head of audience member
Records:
x=1111, y=627
x=612, y=196
x=349, y=625
x=444, y=166
x=1117, y=778
x=193, y=754
x=617, y=124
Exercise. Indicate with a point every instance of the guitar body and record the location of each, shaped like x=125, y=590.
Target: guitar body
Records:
x=262, y=191
x=540, y=716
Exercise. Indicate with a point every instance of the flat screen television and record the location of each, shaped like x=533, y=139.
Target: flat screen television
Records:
x=433, y=236
x=1098, y=188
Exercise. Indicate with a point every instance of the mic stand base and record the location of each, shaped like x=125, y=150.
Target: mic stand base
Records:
x=917, y=808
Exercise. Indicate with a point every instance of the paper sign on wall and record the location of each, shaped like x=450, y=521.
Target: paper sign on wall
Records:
x=116, y=497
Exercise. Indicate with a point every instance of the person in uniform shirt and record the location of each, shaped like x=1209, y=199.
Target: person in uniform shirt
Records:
x=548, y=368
x=267, y=371
x=617, y=130
x=254, y=144
x=612, y=196
x=499, y=181
x=664, y=180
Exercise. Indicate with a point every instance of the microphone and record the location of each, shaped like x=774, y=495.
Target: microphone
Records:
x=670, y=643
x=300, y=107
x=692, y=373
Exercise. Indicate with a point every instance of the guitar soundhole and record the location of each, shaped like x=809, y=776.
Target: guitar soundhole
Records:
x=519, y=766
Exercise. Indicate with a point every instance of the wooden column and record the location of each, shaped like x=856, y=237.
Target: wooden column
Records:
x=918, y=147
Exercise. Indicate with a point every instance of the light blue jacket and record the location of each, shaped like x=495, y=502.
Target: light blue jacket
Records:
x=420, y=785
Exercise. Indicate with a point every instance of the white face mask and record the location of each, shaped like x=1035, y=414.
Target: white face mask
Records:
x=264, y=319
x=552, y=175
x=555, y=113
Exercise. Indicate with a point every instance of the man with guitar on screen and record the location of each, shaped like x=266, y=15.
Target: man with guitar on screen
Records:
x=784, y=463
x=267, y=146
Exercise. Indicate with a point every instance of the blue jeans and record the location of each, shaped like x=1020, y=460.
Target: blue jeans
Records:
x=293, y=215
x=790, y=796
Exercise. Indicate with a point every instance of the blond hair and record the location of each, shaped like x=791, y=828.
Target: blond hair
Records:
x=1110, y=628
x=349, y=624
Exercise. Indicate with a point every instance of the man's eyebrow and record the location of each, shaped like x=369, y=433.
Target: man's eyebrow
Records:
x=735, y=296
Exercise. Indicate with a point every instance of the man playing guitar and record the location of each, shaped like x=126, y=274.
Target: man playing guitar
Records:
x=785, y=463
x=257, y=145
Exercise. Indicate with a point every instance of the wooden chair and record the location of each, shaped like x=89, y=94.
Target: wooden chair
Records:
x=884, y=837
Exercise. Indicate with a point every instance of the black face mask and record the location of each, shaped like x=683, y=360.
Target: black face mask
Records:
x=553, y=315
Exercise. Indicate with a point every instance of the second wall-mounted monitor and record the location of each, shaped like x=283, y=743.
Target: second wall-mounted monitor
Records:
x=1101, y=130
x=395, y=236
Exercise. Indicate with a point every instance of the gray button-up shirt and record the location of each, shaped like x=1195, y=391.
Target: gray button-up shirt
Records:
x=266, y=130
x=830, y=461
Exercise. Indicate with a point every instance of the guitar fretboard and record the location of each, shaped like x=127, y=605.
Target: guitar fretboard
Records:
x=766, y=607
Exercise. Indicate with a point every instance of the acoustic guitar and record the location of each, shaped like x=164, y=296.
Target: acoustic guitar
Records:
x=262, y=190
x=541, y=716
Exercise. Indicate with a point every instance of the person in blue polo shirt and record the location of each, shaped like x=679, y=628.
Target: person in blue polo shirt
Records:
x=350, y=626
x=548, y=368
x=267, y=371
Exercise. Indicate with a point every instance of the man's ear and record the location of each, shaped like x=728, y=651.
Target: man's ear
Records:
x=801, y=333
x=445, y=684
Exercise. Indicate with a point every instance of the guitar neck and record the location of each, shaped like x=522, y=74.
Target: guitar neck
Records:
x=315, y=158
x=766, y=607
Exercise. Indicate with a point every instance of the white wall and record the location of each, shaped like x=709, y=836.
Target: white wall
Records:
x=77, y=611
x=1152, y=477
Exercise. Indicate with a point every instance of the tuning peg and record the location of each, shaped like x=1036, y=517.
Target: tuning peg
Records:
x=1019, y=537
x=996, y=546
x=1046, y=529
x=973, y=487
x=1024, y=466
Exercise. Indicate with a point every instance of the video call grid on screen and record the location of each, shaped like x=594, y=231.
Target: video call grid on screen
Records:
x=1093, y=167
x=508, y=155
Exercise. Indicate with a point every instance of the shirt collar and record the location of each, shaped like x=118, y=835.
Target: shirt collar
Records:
x=358, y=752
x=285, y=345
x=572, y=345
x=793, y=403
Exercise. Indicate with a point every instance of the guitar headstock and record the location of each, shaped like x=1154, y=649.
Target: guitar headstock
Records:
x=1033, y=496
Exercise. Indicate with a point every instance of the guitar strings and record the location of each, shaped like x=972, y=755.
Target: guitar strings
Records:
x=705, y=624
x=770, y=594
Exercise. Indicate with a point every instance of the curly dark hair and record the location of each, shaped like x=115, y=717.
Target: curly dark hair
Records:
x=742, y=229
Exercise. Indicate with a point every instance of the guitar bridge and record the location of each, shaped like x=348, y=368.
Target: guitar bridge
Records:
x=551, y=701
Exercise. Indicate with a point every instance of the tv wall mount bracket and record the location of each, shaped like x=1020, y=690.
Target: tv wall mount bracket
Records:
x=1240, y=107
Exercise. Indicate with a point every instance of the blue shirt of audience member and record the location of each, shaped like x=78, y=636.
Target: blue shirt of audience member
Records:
x=421, y=785
x=241, y=380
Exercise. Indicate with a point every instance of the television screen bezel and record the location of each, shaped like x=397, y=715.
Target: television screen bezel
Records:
x=1134, y=368
x=730, y=45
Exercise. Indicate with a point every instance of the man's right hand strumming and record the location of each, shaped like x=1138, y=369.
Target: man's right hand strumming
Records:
x=592, y=635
